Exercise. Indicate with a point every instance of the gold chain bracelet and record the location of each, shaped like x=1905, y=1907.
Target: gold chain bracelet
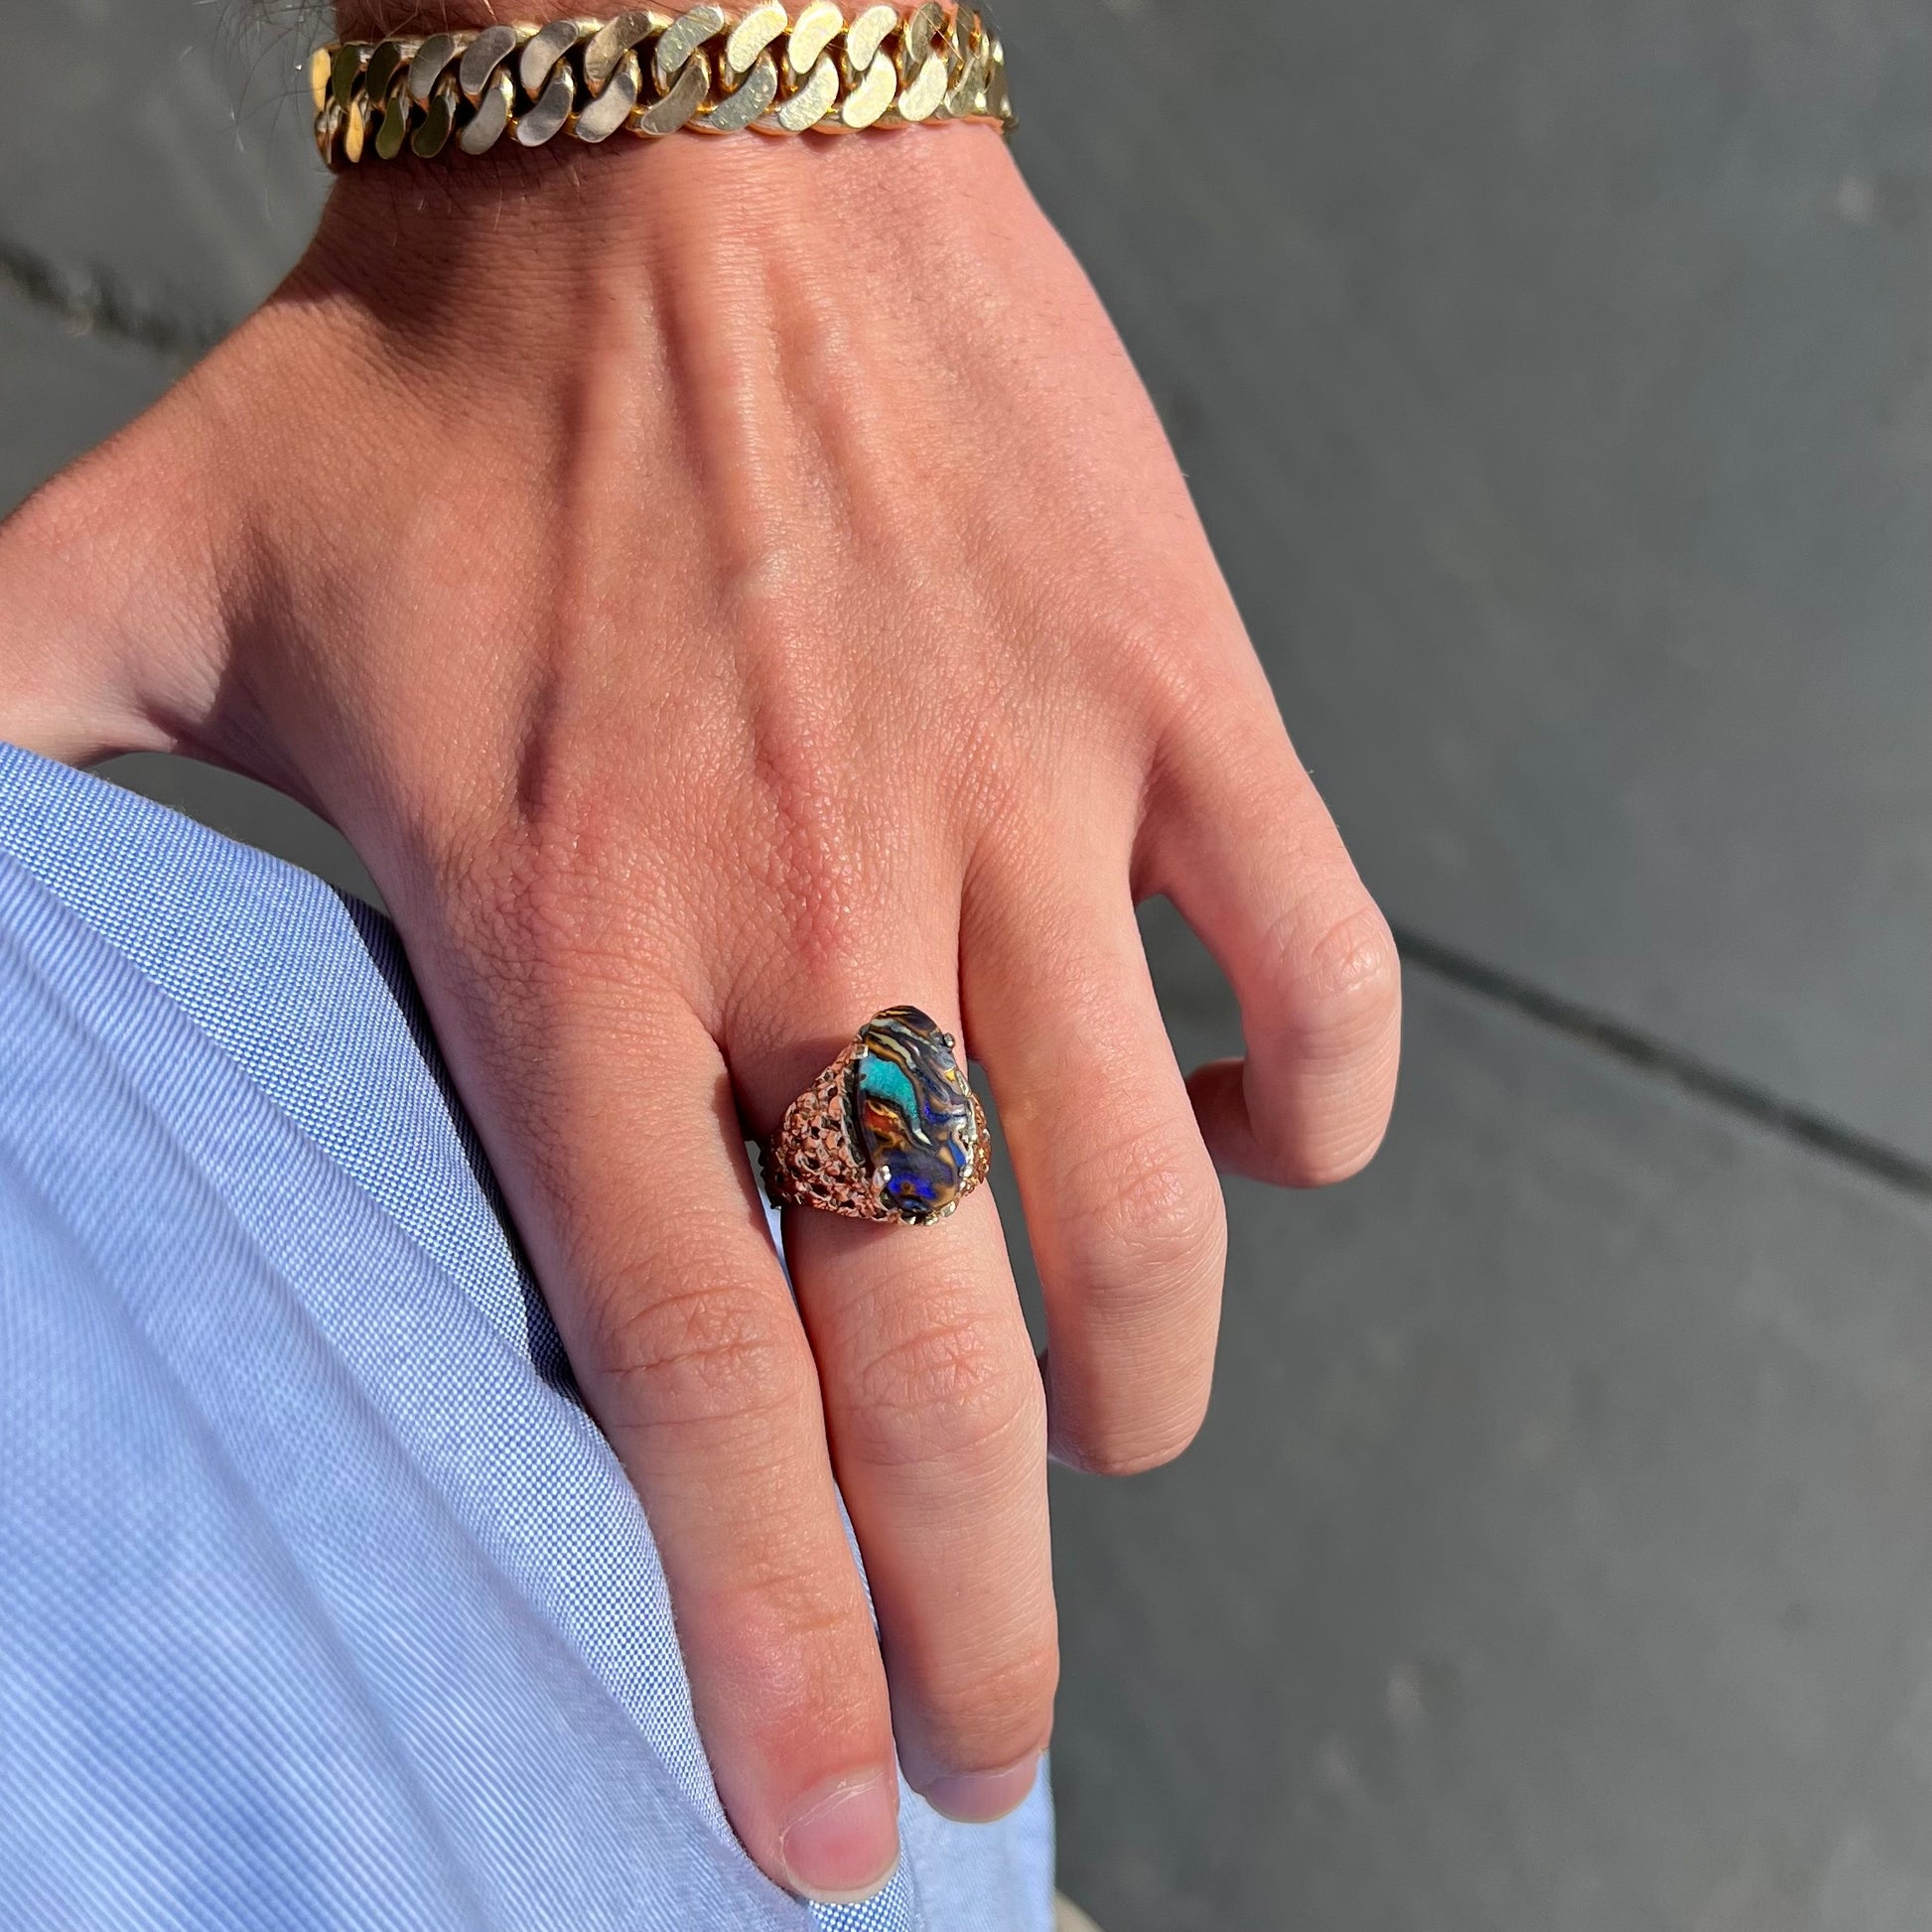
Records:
x=769, y=67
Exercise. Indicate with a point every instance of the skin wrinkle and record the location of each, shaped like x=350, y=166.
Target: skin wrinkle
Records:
x=946, y=1387
x=981, y=1693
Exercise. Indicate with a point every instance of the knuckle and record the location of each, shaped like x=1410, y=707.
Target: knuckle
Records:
x=1144, y=1267
x=1335, y=1044
x=814, y=1660
x=987, y=1711
x=1342, y=988
x=1153, y=1226
x=529, y=907
x=799, y=1627
x=1130, y=1446
x=952, y=1389
x=1180, y=689
x=701, y=1355
x=1342, y=1147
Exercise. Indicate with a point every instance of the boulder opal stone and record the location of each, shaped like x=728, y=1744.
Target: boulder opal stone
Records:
x=911, y=1113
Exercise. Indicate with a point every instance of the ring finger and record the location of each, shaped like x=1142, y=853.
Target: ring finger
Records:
x=936, y=1421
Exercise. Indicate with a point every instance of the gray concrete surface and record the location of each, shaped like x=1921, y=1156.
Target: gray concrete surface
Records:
x=1553, y=375
x=1556, y=1554
x=157, y=152
x=62, y=390
x=1554, y=381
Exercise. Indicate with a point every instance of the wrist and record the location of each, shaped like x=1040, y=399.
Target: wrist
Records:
x=373, y=20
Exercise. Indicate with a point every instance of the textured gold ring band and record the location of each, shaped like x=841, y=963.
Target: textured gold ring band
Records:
x=812, y=69
x=888, y=1131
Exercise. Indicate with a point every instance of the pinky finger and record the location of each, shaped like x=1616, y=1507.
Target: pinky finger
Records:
x=1246, y=850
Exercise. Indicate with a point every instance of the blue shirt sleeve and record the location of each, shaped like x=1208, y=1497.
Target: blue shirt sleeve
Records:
x=322, y=1603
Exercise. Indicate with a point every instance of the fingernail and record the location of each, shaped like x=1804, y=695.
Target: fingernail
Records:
x=842, y=1844
x=979, y=1797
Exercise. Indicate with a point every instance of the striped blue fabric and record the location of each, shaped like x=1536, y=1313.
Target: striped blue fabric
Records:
x=322, y=1603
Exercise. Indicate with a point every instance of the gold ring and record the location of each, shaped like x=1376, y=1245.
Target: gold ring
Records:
x=888, y=1131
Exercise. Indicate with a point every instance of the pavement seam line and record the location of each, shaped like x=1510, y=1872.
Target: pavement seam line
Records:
x=1817, y=1132
x=95, y=302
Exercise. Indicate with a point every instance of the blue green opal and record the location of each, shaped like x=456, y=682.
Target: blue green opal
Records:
x=911, y=1113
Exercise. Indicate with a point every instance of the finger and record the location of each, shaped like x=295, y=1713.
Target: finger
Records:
x=1243, y=846
x=937, y=1425
x=1121, y=1202
x=678, y=1321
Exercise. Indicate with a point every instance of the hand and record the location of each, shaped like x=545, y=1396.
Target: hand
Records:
x=722, y=589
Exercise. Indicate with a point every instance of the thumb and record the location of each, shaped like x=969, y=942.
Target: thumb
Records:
x=115, y=583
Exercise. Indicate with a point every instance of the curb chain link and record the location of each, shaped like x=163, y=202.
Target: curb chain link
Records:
x=777, y=70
